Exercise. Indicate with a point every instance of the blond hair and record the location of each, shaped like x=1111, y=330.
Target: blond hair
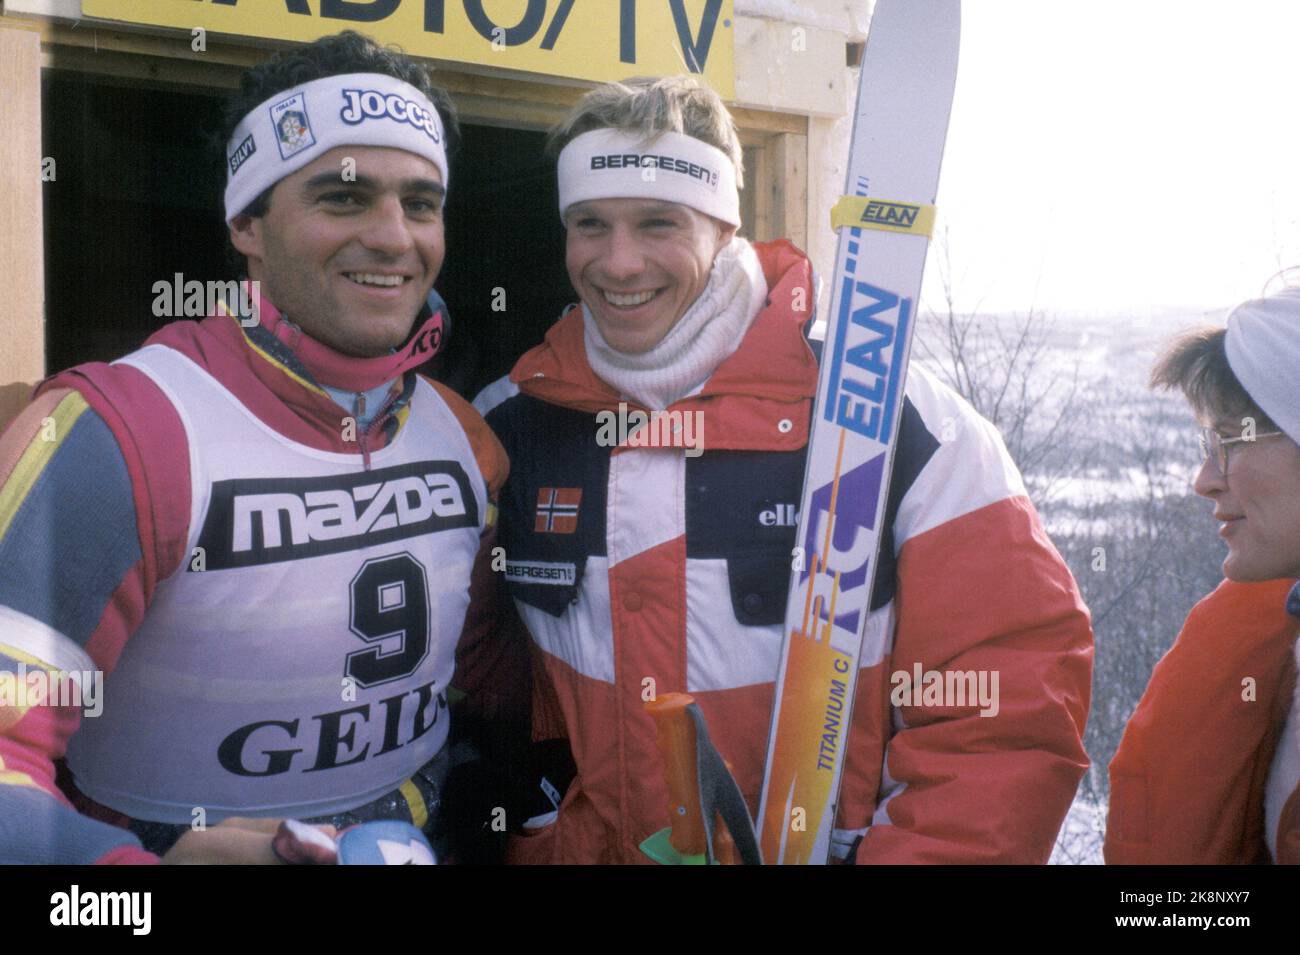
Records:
x=644, y=104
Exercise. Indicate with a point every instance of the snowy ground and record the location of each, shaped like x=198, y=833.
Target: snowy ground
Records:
x=1080, y=839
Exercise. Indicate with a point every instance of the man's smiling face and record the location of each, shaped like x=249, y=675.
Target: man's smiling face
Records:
x=638, y=264
x=350, y=261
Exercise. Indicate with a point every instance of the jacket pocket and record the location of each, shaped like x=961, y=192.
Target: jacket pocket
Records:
x=536, y=847
x=542, y=846
x=759, y=586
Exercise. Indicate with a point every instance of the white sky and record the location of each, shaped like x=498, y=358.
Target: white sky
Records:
x=1119, y=155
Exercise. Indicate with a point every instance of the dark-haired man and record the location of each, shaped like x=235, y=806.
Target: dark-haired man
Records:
x=260, y=528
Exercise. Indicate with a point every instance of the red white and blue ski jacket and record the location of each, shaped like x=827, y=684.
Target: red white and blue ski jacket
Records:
x=637, y=567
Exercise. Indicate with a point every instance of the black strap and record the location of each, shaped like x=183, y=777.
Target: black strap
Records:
x=719, y=795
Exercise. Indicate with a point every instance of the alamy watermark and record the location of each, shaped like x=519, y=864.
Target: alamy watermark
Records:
x=178, y=297
x=75, y=907
x=947, y=688
x=651, y=429
x=22, y=688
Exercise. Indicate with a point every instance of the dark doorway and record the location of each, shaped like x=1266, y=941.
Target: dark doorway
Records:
x=504, y=278
x=137, y=199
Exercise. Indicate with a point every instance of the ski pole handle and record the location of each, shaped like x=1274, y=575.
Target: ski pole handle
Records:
x=675, y=736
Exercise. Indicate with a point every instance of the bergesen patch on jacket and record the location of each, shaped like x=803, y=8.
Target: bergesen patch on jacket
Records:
x=541, y=572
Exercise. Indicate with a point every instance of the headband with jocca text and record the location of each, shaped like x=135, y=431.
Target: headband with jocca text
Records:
x=292, y=128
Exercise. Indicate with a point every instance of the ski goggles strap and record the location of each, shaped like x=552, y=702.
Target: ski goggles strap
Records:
x=887, y=215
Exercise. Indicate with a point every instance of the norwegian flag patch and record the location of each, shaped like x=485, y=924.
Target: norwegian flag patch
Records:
x=557, y=510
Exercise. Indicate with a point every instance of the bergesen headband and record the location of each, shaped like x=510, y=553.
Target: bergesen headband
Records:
x=674, y=167
x=293, y=127
x=1263, y=347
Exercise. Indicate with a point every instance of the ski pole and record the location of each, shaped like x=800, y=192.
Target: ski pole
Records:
x=700, y=787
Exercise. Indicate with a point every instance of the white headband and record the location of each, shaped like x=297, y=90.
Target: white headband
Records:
x=295, y=126
x=614, y=164
x=1263, y=346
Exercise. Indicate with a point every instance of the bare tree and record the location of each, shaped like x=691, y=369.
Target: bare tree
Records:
x=1108, y=466
x=999, y=364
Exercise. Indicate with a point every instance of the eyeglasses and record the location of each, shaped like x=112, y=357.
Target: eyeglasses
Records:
x=1214, y=446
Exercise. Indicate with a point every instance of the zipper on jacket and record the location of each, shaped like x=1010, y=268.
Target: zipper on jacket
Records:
x=358, y=412
x=359, y=407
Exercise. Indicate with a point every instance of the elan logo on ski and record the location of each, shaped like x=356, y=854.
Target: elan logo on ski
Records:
x=898, y=214
x=863, y=390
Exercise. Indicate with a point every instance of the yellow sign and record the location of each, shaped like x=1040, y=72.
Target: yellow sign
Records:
x=584, y=39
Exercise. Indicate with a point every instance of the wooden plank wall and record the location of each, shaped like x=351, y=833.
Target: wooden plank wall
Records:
x=22, y=266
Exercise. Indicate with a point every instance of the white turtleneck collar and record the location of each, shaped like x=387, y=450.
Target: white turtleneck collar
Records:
x=704, y=337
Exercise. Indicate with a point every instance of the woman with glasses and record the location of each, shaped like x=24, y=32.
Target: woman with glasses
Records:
x=1208, y=770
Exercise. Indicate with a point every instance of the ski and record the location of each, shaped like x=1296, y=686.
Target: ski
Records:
x=884, y=220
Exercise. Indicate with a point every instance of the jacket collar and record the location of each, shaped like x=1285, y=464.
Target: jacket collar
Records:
x=266, y=366
x=759, y=398
x=313, y=360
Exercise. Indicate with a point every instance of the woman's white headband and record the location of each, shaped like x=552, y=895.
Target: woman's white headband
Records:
x=1263, y=348
x=615, y=164
x=295, y=126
